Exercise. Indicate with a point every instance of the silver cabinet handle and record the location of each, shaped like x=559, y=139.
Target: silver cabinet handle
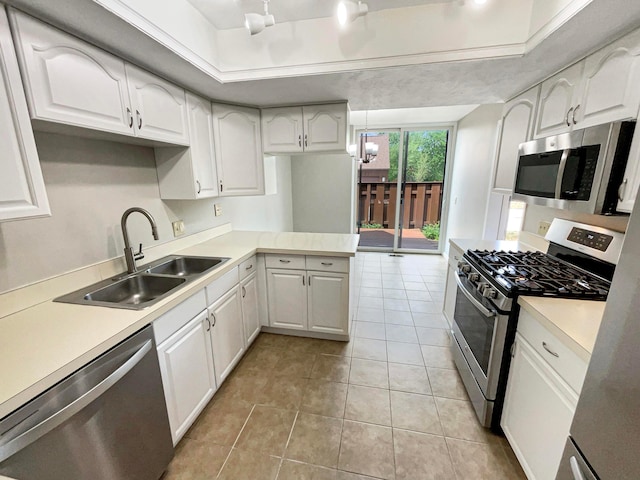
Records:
x=567, y=117
x=544, y=345
x=309, y=283
x=303, y=280
x=130, y=115
x=199, y=188
x=575, y=112
x=285, y=261
x=306, y=138
x=299, y=140
x=244, y=292
x=139, y=117
x=213, y=316
x=575, y=469
x=328, y=264
x=208, y=324
x=221, y=187
x=621, y=189
x=61, y=416
x=249, y=267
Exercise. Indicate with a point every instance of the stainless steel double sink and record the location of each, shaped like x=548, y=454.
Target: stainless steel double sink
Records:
x=147, y=286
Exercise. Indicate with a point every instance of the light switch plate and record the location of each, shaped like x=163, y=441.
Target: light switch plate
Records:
x=543, y=228
x=178, y=228
x=217, y=208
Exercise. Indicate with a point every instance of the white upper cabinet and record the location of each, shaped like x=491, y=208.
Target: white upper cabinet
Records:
x=238, y=147
x=629, y=189
x=325, y=128
x=70, y=81
x=282, y=130
x=600, y=89
x=609, y=89
x=190, y=173
x=516, y=126
x=556, y=104
x=22, y=191
x=159, y=107
x=312, y=128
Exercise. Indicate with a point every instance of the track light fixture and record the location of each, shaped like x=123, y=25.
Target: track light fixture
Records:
x=255, y=23
x=348, y=11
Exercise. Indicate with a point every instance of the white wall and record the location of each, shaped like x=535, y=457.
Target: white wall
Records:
x=322, y=193
x=90, y=183
x=536, y=214
x=471, y=177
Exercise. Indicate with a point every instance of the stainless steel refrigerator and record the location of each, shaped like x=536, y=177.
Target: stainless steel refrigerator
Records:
x=604, y=440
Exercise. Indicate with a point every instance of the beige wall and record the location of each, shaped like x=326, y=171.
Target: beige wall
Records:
x=471, y=177
x=321, y=193
x=90, y=183
x=535, y=214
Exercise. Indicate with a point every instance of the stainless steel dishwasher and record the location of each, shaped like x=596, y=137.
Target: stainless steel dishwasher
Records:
x=108, y=420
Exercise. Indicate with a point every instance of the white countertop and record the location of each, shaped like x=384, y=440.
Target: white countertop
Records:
x=574, y=322
x=41, y=345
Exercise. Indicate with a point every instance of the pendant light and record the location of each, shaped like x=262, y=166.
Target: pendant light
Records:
x=255, y=23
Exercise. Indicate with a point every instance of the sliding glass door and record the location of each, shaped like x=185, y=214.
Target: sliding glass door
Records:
x=401, y=178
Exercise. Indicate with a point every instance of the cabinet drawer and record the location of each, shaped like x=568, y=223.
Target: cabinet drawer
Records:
x=248, y=267
x=569, y=366
x=295, y=262
x=455, y=255
x=222, y=285
x=165, y=325
x=328, y=264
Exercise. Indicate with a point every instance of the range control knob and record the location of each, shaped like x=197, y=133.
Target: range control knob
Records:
x=473, y=277
x=489, y=292
x=464, y=267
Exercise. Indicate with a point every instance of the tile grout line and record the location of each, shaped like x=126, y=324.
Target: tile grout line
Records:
x=286, y=445
x=236, y=441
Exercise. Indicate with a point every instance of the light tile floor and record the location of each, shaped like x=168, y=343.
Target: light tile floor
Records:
x=387, y=405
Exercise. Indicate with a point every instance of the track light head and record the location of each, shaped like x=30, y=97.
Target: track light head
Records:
x=255, y=23
x=348, y=11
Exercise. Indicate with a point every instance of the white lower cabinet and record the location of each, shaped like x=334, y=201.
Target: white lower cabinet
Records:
x=186, y=365
x=451, y=289
x=310, y=300
x=287, y=297
x=250, y=317
x=328, y=302
x=540, y=399
x=227, y=333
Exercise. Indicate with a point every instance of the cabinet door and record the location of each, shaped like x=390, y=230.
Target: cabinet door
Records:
x=325, y=128
x=451, y=289
x=287, y=298
x=250, y=319
x=201, y=145
x=282, y=130
x=159, y=107
x=186, y=365
x=609, y=89
x=538, y=410
x=629, y=188
x=328, y=300
x=238, y=147
x=227, y=334
x=69, y=81
x=22, y=191
x=556, y=104
x=516, y=127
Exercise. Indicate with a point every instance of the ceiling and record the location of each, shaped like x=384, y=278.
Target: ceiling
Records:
x=227, y=14
x=472, y=82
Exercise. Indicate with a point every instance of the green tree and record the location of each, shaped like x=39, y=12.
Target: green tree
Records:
x=426, y=155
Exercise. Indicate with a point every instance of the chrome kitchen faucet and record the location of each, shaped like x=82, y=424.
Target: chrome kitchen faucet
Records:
x=129, y=256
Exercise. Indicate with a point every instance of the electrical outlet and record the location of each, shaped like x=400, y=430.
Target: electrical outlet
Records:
x=543, y=228
x=217, y=208
x=178, y=228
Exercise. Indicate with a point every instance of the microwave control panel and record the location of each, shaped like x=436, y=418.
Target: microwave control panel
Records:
x=597, y=241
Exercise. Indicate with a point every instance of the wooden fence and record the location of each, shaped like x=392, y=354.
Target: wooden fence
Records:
x=422, y=202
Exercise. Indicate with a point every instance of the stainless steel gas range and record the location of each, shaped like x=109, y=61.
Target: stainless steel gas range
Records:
x=579, y=264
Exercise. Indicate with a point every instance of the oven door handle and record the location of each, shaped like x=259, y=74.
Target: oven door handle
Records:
x=484, y=310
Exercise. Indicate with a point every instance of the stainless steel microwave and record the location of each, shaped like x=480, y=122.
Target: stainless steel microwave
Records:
x=581, y=170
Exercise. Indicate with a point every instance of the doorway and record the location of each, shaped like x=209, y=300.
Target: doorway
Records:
x=401, y=188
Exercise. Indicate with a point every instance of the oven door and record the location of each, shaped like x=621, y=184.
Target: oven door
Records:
x=480, y=331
